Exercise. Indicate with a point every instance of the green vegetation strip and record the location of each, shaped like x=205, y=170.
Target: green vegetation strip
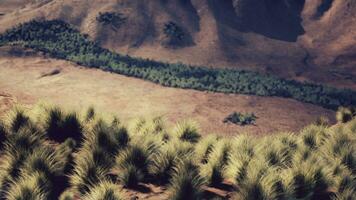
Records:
x=63, y=41
x=48, y=153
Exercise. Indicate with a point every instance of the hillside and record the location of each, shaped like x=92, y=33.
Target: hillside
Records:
x=178, y=99
x=311, y=40
x=26, y=79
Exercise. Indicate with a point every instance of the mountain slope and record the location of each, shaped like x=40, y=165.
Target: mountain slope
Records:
x=289, y=38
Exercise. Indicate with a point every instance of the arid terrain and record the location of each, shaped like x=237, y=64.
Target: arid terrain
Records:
x=221, y=33
x=303, y=40
x=77, y=87
x=276, y=146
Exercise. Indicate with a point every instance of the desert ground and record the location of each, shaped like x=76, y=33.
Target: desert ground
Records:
x=23, y=81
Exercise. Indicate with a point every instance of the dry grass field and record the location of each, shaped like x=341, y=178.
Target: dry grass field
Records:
x=32, y=78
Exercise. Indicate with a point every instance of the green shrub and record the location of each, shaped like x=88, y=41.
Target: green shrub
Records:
x=174, y=32
x=241, y=119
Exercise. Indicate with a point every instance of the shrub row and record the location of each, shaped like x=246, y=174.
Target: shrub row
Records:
x=63, y=41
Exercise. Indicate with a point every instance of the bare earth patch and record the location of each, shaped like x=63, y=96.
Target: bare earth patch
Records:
x=78, y=87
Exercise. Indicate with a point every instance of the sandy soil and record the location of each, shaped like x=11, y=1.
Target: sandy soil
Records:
x=77, y=87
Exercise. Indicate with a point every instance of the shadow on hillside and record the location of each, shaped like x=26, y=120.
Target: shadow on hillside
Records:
x=276, y=19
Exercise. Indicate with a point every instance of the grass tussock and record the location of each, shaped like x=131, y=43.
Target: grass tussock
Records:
x=60, y=126
x=105, y=191
x=317, y=163
x=186, y=182
x=29, y=187
x=187, y=131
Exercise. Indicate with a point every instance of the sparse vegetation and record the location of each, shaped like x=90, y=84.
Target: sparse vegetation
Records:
x=114, y=19
x=317, y=163
x=61, y=40
x=174, y=33
x=241, y=119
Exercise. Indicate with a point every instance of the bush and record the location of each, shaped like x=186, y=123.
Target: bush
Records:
x=173, y=32
x=114, y=19
x=241, y=119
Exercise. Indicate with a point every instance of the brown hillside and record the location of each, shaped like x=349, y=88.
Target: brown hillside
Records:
x=27, y=78
x=304, y=40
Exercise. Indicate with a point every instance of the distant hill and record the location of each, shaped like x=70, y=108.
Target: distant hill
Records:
x=303, y=40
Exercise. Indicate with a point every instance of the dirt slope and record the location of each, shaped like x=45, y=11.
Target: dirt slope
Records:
x=22, y=81
x=305, y=40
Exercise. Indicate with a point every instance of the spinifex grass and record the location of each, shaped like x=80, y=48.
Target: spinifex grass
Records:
x=317, y=163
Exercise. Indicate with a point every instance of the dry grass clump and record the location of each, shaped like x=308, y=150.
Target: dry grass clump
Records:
x=186, y=182
x=104, y=191
x=29, y=187
x=187, y=131
x=344, y=114
x=317, y=163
